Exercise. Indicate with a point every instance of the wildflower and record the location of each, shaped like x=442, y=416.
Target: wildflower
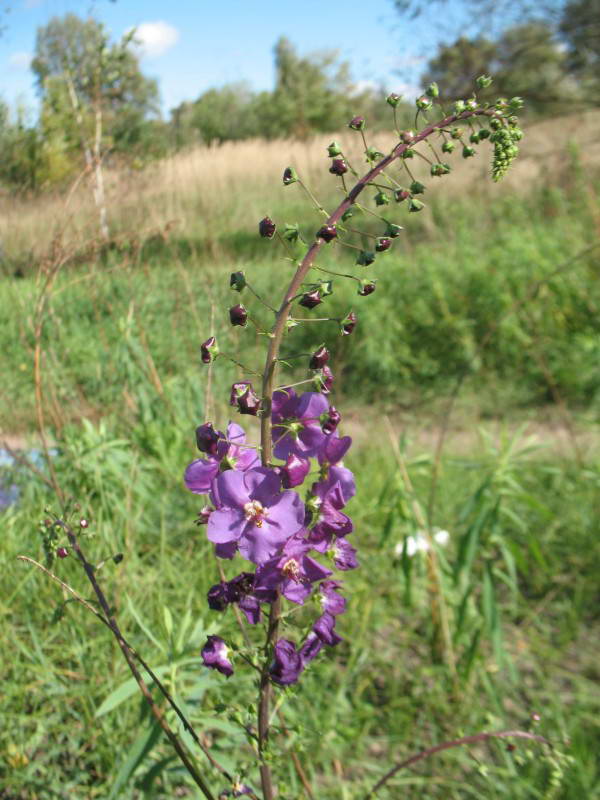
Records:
x=267, y=228
x=366, y=287
x=227, y=453
x=209, y=350
x=238, y=315
x=292, y=573
x=324, y=381
x=348, y=323
x=357, y=123
x=252, y=512
x=245, y=398
x=383, y=244
x=338, y=167
x=332, y=470
x=214, y=655
x=289, y=176
x=296, y=423
x=319, y=358
x=287, y=663
x=311, y=299
x=295, y=471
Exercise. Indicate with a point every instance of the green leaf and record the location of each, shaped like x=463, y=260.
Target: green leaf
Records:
x=136, y=754
x=125, y=690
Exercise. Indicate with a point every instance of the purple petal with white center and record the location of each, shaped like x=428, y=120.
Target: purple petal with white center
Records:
x=200, y=474
x=251, y=608
x=214, y=655
x=344, y=555
x=225, y=525
x=331, y=601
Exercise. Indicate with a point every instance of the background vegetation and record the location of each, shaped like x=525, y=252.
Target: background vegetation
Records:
x=471, y=388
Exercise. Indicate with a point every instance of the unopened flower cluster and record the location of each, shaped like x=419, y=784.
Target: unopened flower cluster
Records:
x=257, y=512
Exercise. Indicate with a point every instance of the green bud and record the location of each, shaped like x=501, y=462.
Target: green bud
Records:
x=417, y=188
x=289, y=176
x=415, y=205
x=291, y=233
x=237, y=281
x=448, y=147
x=468, y=152
x=484, y=134
x=495, y=123
x=392, y=230
x=373, y=154
x=516, y=103
x=471, y=104
x=456, y=133
x=517, y=134
x=483, y=81
x=407, y=136
x=459, y=106
x=365, y=258
x=501, y=103
x=408, y=153
x=437, y=170
x=432, y=90
x=393, y=99
x=349, y=212
x=474, y=137
x=326, y=288
x=334, y=149
x=381, y=199
x=423, y=103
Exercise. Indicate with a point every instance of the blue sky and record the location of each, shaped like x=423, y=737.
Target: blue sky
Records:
x=192, y=45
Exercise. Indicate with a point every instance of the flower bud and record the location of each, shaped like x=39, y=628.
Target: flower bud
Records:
x=334, y=149
x=348, y=213
x=266, y=228
x=381, y=199
x=484, y=134
x=471, y=104
x=324, y=380
x=209, y=350
x=338, y=167
x=423, y=103
x=392, y=230
x=495, y=123
x=437, y=170
x=365, y=258
x=207, y=439
x=448, y=147
x=291, y=233
x=468, y=152
x=289, y=176
x=319, y=358
x=372, y=154
x=415, y=205
x=327, y=233
x=407, y=136
x=311, y=299
x=326, y=288
x=483, y=81
x=357, y=123
x=366, y=287
x=62, y=552
x=238, y=315
x=408, y=153
x=246, y=399
x=295, y=471
x=417, y=188
x=401, y=194
x=459, y=106
x=393, y=99
x=330, y=420
x=383, y=244
x=348, y=323
x=237, y=281
x=516, y=103
x=432, y=90
x=456, y=133
x=474, y=137
x=83, y=523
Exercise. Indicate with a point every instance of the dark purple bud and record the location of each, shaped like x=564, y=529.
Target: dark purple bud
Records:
x=287, y=663
x=295, y=471
x=401, y=194
x=209, y=350
x=311, y=299
x=237, y=281
x=349, y=323
x=319, y=358
x=330, y=421
x=338, y=167
x=266, y=227
x=238, y=315
x=324, y=381
x=218, y=596
x=357, y=123
x=383, y=244
x=62, y=552
x=366, y=287
x=327, y=233
x=207, y=439
x=289, y=176
x=511, y=747
x=214, y=655
x=236, y=390
x=249, y=402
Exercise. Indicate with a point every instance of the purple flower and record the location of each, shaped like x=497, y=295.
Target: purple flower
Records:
x=252, y=512
x=214, y=655
x=207, y=438
x=296, y=423
x=287, y=663
x=383, y=244
x=311, y=299
x=324, y=381
x=324, y=627
x=245, y=398
x=330, y=421
x=331, y=601
x=332, y=471
x=292, y=573
x=338, y=167
x=238, y=590
x=237, y=790
x=311, y=647
x=348, y=323
x=294, y=472
x=228, y=454
x=357, y=123
x=330, y=520
x=344, y=555
x=319, y=358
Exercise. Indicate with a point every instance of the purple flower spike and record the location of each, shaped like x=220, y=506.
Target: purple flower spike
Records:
x=209, y=350
x=238, y=315
x=207, y=438
x=311, y=299
x=327, y=233
x=266, y=228
x=230, y=453
x=319, y=358
x=252, y=512
x=295, y=471
x=214, y=655
x=287, y=663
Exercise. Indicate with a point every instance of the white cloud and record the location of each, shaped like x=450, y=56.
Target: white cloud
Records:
x=21, y=59
x=153, y=39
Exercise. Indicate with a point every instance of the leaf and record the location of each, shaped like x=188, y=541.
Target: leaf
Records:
x=146, y=630
x=125, y=690
x=136, y=754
